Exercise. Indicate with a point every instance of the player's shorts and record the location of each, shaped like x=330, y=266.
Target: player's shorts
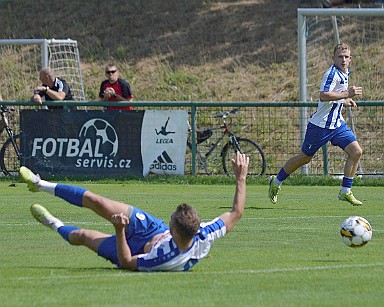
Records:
x=142, y=227
x=316, y=137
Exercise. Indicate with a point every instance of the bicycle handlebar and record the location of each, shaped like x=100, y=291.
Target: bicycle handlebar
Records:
x=6, y=109
x=225, y=114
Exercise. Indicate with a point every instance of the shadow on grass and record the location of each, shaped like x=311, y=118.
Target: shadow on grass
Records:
x=77, y=269
x=265, y=208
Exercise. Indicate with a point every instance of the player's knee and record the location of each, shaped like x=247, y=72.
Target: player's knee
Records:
x=360, y=152
x=304, y=159
x=356, y=153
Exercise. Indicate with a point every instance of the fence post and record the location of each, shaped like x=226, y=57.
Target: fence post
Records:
x=325, y=159
x=193, y=138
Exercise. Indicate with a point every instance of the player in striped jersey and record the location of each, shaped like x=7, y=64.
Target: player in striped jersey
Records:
x=142, y=242
x=327, y=124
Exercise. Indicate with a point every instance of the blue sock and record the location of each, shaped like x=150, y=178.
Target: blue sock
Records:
x=71, y=194
x=347, y=182
x=64, y=231
x=282, y=175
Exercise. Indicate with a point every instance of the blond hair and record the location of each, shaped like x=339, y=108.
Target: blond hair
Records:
x=341, y=46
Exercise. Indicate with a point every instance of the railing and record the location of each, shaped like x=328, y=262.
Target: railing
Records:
x=274, y=125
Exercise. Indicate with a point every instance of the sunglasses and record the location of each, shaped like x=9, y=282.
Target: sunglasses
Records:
x=110, y=71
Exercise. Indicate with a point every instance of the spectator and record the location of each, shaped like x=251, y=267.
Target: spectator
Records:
x=52, y=88
x=115, y=88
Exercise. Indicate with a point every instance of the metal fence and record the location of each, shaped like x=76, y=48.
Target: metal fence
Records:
x=275, y=126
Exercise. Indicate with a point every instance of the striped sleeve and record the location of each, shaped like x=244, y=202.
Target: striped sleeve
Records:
x=212, y=230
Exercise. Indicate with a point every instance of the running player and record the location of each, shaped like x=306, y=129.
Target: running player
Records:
x=327, y=124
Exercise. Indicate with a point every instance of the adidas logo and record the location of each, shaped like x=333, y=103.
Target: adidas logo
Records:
x=163, y=162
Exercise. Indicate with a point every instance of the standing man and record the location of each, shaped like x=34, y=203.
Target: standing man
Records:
x=52, y=88
x=115, y=88
x=327, y=124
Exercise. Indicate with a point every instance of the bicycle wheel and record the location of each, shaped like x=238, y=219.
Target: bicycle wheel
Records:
x=257, y=163
x=9, y=159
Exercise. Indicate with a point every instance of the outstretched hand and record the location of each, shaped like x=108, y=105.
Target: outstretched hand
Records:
x=240, y=168
x=240, y=165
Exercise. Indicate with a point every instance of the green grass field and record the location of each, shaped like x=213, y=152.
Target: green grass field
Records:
x=288, y=254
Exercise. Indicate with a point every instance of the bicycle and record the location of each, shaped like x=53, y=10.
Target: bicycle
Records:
x=10, y=155
x=257, y=163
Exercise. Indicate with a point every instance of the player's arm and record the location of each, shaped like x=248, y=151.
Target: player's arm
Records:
x=240, y=168
x=126, y=260
x=332, y=96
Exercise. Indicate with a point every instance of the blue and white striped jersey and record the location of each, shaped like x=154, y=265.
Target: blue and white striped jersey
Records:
x=328, y=114
x=165, y=256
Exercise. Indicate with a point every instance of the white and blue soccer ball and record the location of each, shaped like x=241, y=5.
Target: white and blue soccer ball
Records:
x=356, y=231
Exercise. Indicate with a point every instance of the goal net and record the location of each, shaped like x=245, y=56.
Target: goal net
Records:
x=21, y=60
x=319, y=30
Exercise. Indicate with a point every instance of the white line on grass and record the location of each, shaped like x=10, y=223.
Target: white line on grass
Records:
x=138, y=274
x=103, y=223
x=303, y=217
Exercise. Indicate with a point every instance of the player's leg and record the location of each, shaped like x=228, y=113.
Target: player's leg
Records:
x=74, y=235
x=354, y=153
x=289, y=167
x=105, y=207
x=75, y=195
x=346, y=140
x=315, y=137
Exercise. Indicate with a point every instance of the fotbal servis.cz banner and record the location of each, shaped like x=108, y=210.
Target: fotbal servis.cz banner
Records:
x=95, y=144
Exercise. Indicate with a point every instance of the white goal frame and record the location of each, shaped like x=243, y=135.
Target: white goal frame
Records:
x=25, y=57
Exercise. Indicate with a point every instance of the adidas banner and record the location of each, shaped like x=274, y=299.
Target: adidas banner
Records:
x=163, y=142
x=100, y=144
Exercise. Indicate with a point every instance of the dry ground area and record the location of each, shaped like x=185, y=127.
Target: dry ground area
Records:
x=173, y=50
x=199, y=50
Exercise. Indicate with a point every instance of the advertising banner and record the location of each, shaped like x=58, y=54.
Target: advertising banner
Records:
x=163, y=142
x=99, y=144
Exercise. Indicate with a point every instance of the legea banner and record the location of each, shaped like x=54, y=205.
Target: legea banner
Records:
x=98, y=143
x=163, y=142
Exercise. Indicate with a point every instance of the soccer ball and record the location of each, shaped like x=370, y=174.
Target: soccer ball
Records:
x=356, y=231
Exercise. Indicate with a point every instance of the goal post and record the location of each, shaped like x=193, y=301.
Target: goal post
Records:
x=319, y=30
x=21, y=59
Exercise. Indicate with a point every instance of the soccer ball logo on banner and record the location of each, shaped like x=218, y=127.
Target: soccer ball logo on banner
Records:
x=100, y=128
